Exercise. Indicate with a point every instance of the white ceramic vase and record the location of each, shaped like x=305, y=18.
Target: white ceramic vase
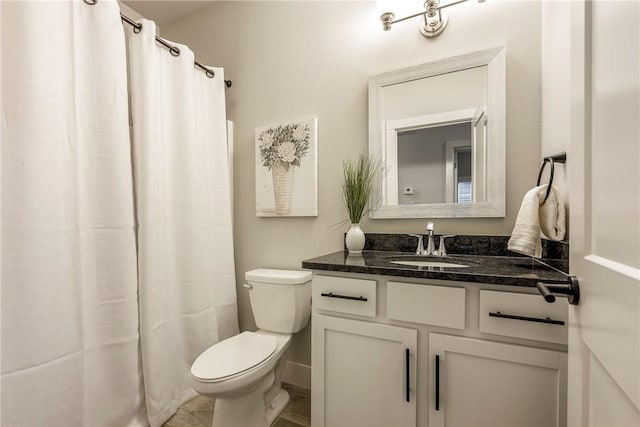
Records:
x=355, y=239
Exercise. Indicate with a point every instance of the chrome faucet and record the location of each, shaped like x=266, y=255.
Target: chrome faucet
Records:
x=442, y=249
x=420, y=249
x=431, y=250
x=431, y=245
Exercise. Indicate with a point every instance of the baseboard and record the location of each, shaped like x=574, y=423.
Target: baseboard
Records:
x=297, y=374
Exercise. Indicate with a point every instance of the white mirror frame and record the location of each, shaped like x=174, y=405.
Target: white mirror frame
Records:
x=494, y=205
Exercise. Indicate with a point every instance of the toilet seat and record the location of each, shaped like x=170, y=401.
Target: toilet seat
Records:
x=233, y=356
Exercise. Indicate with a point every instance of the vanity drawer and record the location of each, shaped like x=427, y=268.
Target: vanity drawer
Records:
x=345, y=295
x=426, y=304
x=533, y=320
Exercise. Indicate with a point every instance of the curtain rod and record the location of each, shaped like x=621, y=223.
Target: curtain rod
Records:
x=174, y=50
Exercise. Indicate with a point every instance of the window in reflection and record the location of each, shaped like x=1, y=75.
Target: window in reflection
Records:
x=463, y=186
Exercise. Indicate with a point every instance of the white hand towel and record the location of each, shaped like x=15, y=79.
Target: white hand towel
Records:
x=535, y=217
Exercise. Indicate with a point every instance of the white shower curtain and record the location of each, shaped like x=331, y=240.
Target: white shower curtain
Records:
x=73, y=286
x=70, y=353
x=185, y=245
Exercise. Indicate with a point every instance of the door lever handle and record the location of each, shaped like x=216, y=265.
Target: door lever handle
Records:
x=570, y=289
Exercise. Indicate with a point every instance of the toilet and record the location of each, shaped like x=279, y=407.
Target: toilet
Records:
x=243, y=373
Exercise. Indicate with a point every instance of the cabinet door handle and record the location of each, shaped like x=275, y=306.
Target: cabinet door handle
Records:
x=527, y=319
x=407, y=357
x=437, y=382
x=332, y=295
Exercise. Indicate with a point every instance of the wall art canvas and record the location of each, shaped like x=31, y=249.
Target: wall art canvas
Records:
x=287, y=169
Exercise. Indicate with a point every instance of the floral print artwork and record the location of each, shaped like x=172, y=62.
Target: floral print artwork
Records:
x=286, y=144
x=286, y=169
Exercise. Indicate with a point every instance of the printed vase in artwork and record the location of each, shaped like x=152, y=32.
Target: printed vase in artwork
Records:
x=282, y=187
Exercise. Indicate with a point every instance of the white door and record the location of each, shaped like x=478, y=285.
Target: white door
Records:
x=483, y=383
x=363, y=374
x=604, y=164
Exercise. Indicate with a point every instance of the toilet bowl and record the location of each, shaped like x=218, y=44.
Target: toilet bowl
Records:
x=236, y=365
x=243, y=373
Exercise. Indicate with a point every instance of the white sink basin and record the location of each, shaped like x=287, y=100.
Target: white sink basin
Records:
x=429, y=264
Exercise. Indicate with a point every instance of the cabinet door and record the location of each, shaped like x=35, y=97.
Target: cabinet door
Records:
x=362, y=373
x=483, y=383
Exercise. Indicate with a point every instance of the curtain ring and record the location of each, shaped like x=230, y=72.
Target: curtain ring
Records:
x=174, y=51
x=91, y=2
x=137, y=27
x=209, y=73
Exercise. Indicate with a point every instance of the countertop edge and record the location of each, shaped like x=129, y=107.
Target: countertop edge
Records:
x=493, y=279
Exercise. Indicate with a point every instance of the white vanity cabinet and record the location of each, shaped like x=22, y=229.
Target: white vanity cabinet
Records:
x=365, y=373
x=501, y=353
x=485, y=383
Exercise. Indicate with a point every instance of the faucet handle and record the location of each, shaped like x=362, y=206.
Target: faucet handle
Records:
x=420, y=248
x=442, y=249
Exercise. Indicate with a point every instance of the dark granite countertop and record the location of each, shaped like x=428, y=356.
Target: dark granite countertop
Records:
x=499, y=270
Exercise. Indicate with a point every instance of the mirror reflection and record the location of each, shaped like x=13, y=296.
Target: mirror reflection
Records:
x=436, y=162
x=434, y=165
x=439, y=130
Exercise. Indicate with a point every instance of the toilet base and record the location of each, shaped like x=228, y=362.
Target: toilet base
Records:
x=277, y=405
x=250, y=410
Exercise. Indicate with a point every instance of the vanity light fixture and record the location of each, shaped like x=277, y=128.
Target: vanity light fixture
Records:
x=435, y=19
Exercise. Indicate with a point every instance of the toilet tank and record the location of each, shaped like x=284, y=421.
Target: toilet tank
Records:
x=280, y=299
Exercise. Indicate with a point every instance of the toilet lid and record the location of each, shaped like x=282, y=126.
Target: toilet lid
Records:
x=233, y=356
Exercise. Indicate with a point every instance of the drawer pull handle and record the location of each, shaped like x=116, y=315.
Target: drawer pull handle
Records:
x=525, y=318
x=407, y=357
x=437, y=382
x=332, y=295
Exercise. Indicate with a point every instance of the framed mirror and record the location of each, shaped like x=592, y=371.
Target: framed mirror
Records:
x=439, y=129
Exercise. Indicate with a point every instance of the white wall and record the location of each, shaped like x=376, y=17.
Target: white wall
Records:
x=421, y=165
x=462, y=90
x=292, y=60
x=555, y=61
x=129, y=12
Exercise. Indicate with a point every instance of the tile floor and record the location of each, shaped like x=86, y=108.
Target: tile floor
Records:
x=199, y=411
